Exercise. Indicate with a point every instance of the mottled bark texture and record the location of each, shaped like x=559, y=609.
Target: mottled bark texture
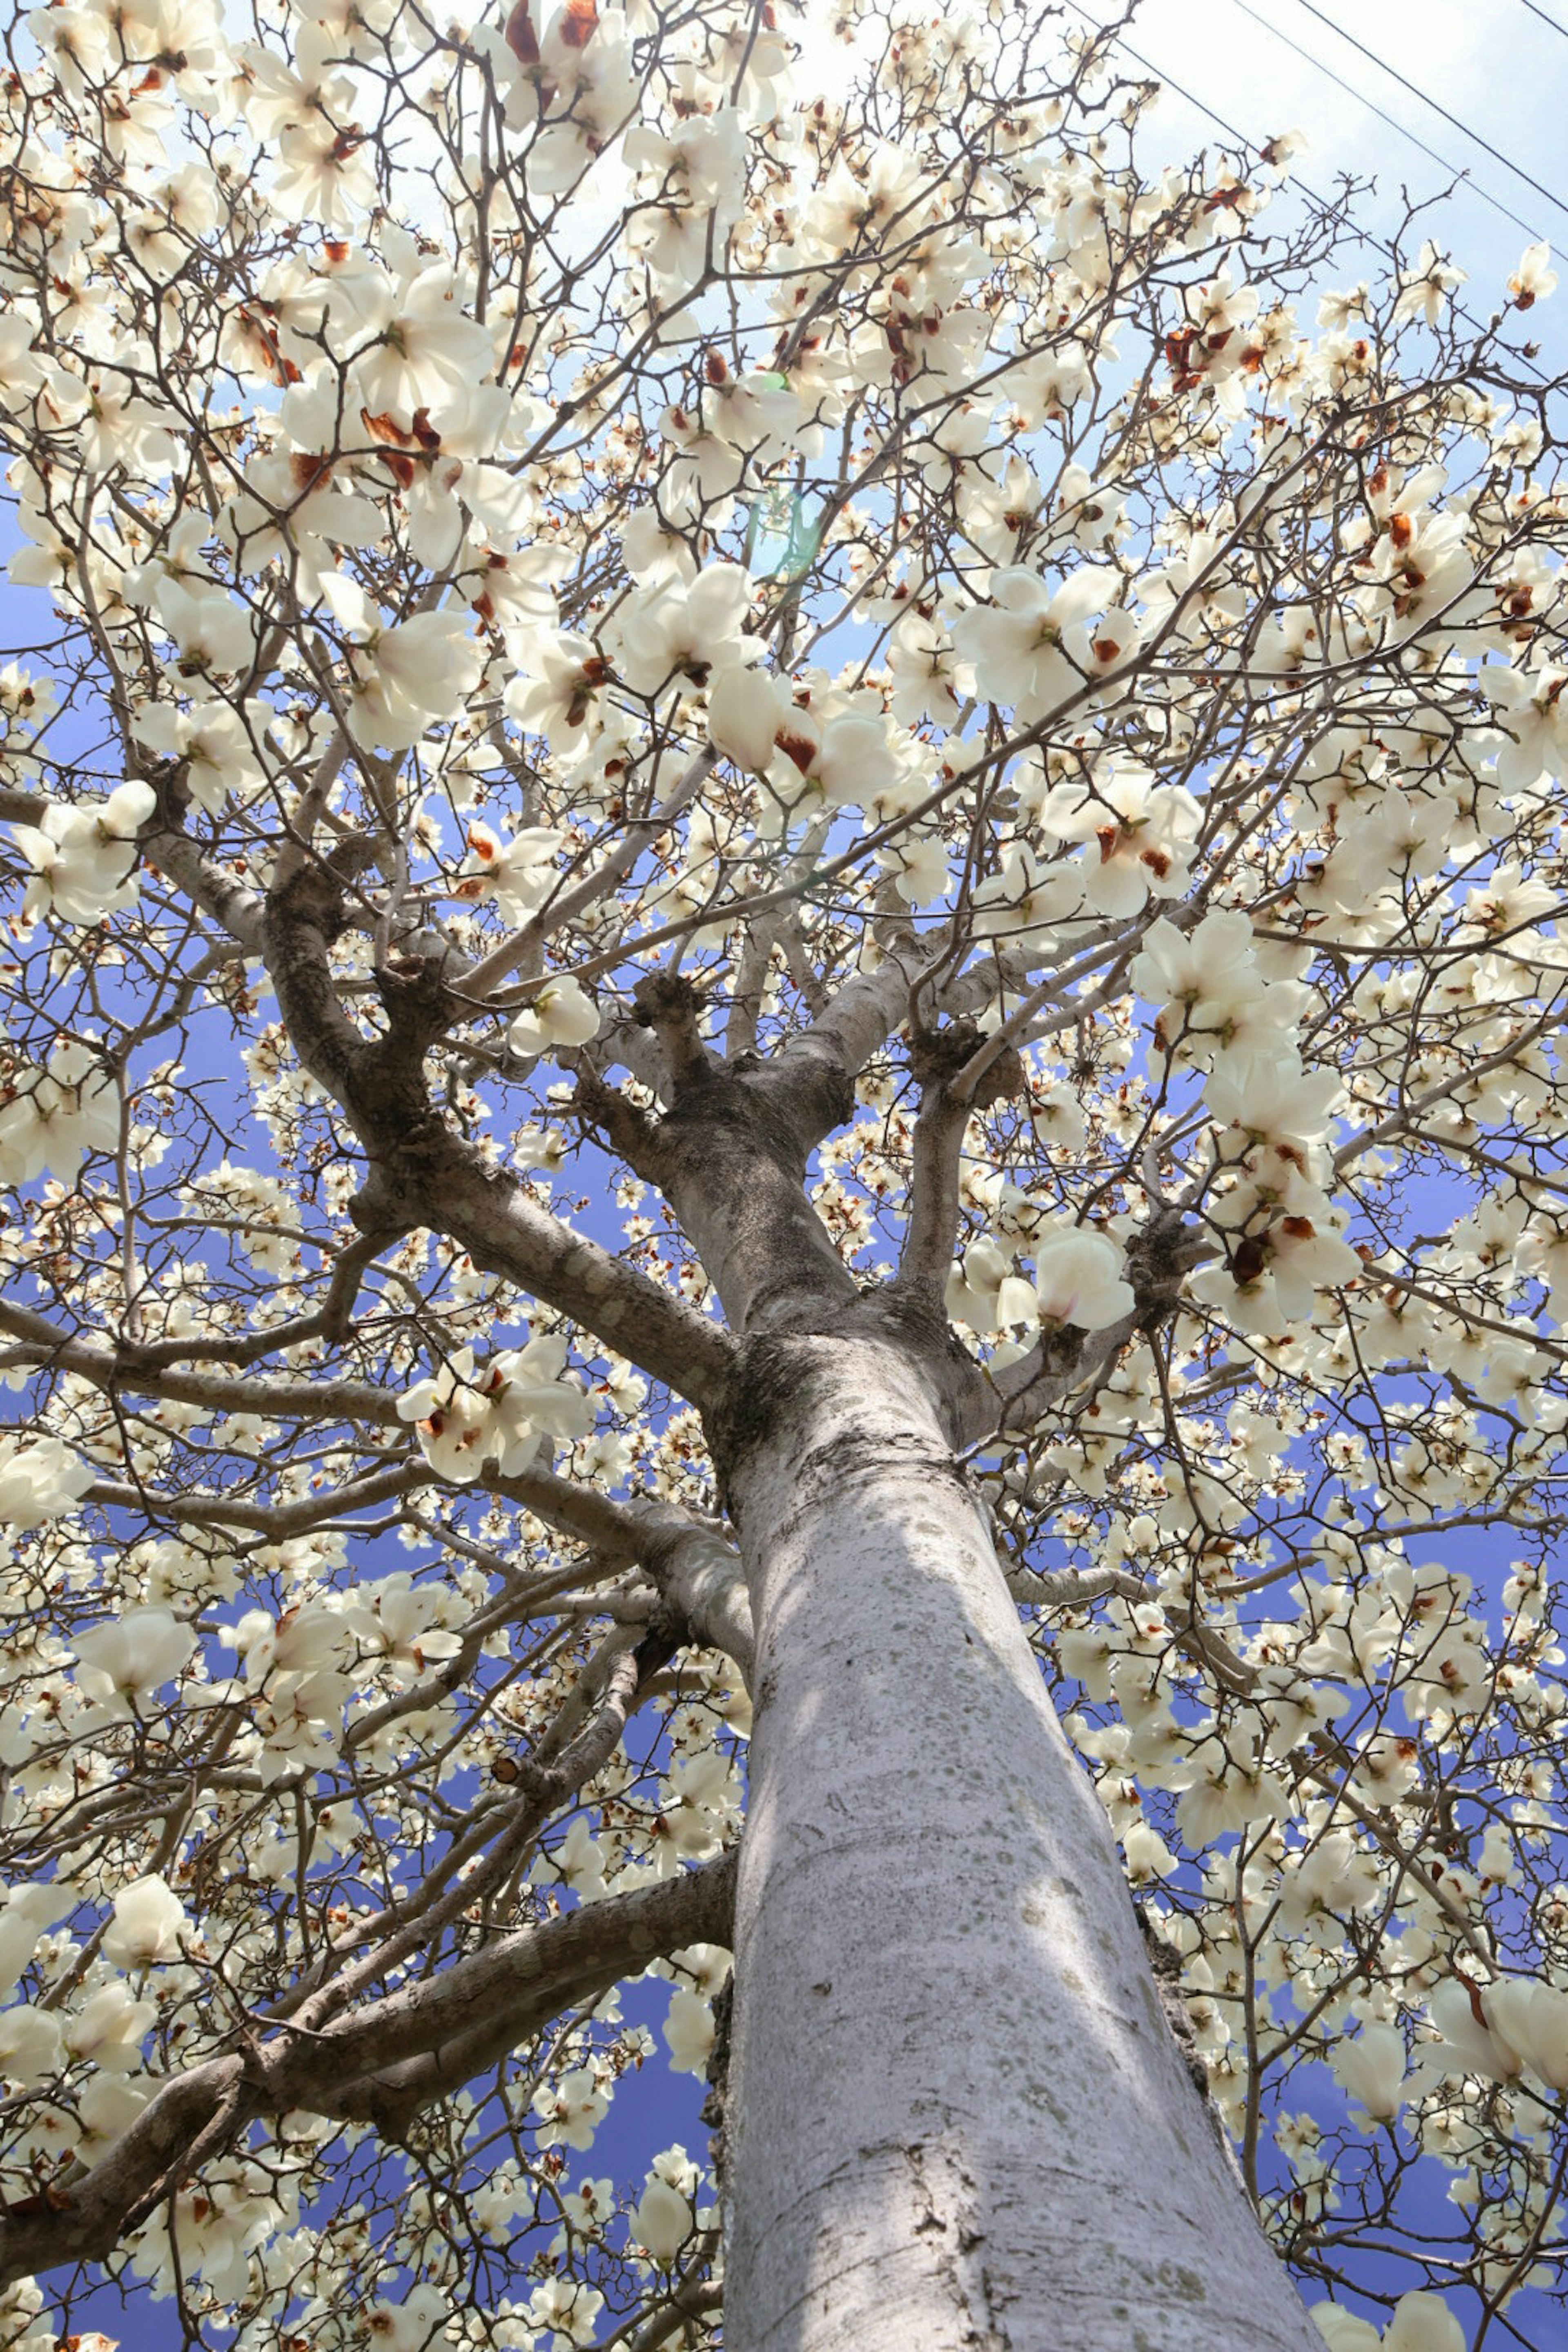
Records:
x=956, y=2117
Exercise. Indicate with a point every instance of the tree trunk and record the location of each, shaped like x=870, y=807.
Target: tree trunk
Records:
x=958, y=2121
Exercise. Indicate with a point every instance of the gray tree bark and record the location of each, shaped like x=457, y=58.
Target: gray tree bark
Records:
x=958, y=2121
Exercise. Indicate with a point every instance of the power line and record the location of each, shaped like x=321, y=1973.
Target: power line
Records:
x=1243, y=142
x=1546, y=19
x=1458, y=171
x=1495, y=153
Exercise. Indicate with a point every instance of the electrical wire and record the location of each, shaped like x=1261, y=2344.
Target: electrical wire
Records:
x=1242, y=141
x=1546, y=19
x=1456, y=170
x=1416, y=91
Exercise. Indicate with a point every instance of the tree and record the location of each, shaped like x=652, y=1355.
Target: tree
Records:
x=783, y=950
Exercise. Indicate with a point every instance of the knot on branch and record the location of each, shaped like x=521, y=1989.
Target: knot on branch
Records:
x=1160, y=1257
x=671, y=1006
x=419, y=1003
x=937, y=1055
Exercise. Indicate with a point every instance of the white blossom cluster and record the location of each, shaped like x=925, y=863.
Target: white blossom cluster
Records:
x=601, y=497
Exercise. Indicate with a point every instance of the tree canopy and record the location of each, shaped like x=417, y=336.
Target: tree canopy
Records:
x=680, y=672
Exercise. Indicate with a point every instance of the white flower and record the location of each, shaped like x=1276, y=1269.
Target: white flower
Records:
x=916, y=867
x=685, y=628
x=109, y=2028
x=41, y=1481
x=1513, y=2027
x=1303, y=1261
x=211, y=630
x=325, y=175
x=83, y=856
x=748, y=710
x=689, y=2030
x=30, y=2044
x=407, y=674
x=1534, y=708
x=149, y=1920
x=29, y=1911
x=1372, y=2070
x=569, y=2307
x=1428, y=287
x=1032, y=646
x=1208, y=973
x=1422, y=2323
x=1534, y=278
x=562, y=1013
x=1342, y=2331
x=1137, y=834
x=211, y=742
x=133, y=1657
x=21, y=373
x=466, y=1418
x=1274, y=1102
x=417, y=2320
x=662, y=2221
x=514, y=869
x=427, y=351
x=1330, y=1877
x=58, y=1115
x=985, y=1291
x=1148, y=1855
x=1078, y=1279
x=571, y=2108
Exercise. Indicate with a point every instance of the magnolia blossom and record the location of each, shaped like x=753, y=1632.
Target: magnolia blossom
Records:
x=1138, y=835
x=1278, y=1102
x=1342, y=2331
x=57, y=1115
x=1078, y=1279
x=416, y=2322
x=148, y=1923
x=1506, y=2029
x=407, y=676
x=1422, y=2323
x=917, y=869
x=558, y=691
x=1303, y=1259
x=29, y=1911
x=109, y=2028
x=83, y=856
x=210, y=741
x=571, y=2108
x=514, y=869
x=503, y=1414
x=1372, y=2069
x=689, y=2031
x=40, y=1479
x=1531, y=706
x=211, y=630
x=30, y=2044
x=1534, y=278
x=679, y=628
x=985, y=1291
x=323, y=174
x=748, y=711
x=426, y=352
x=1033, y=647
x=125, y=1662
x=1425, y=292
x=561, y=1014
x=662, y=2221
